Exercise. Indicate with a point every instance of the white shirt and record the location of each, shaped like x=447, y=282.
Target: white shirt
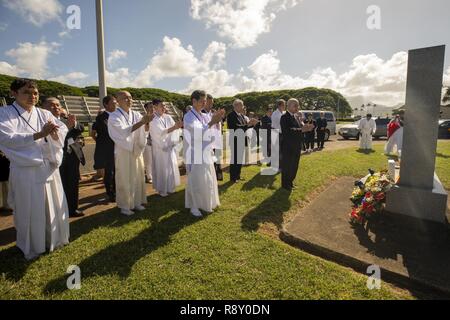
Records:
x=276, y=118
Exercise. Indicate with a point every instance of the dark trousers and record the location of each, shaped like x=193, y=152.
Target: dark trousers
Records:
x=109, y=180
x=70, y=177
x=236, y=165
x=309, y=140
x=320, y=139
x=291, y=160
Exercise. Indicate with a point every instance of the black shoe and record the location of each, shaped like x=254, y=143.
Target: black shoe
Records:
x=76, y=214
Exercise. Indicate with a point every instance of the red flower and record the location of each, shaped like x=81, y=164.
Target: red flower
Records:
x=380, y=196
x=369, y=209
x=368, y=195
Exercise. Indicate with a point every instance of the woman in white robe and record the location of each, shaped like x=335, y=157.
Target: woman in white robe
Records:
x=165, y=135
x=36, y=195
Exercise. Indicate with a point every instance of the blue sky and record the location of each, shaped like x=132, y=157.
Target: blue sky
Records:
x=227, y=46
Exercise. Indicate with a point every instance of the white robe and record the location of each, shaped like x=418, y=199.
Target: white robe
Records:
x=367, y=128
x=36, y=194
x=201, y=190
x=396, y=140
x=165, y=172
x=129, y=161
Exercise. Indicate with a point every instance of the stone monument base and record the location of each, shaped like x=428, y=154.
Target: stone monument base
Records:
x=419, y=203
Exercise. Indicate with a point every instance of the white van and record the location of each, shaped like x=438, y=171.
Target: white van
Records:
x=329, y=115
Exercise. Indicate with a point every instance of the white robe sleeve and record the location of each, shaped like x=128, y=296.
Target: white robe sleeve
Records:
x=120, y=132
x=55, y=147
x=160, y=135
x=19, y=148
x=139, y=136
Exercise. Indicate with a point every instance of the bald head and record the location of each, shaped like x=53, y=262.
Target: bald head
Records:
x=53, y=105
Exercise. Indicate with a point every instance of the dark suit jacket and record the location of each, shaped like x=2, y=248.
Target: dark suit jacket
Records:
x=321, y=123
x=292, y=139
x=75, y=153
x=236, y=122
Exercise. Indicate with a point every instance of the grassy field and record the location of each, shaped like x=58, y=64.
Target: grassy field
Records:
x=164, y=253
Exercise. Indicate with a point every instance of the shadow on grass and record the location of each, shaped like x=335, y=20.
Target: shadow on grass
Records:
x=119, y=258
x=365, y=151
x=423, y=247
x=259, y=181
x=270, y=210
x=441, y=155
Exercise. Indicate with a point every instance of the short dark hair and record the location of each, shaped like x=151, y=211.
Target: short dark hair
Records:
x=107, y=99
x=209, y=97
x=22, y=82
x=198, y=94
x=156, y=102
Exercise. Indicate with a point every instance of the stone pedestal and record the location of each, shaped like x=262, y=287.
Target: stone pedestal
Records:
x=419, y=203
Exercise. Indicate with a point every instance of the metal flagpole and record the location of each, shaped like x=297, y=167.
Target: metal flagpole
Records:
x=100, y=52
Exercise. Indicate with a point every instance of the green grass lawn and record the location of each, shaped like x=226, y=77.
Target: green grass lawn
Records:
x=164, y=253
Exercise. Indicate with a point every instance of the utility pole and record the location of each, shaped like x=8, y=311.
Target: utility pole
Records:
x=100, y=51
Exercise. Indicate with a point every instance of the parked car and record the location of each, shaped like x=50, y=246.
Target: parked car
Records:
x=348, y=131
x=444, y=129
x=331, y=120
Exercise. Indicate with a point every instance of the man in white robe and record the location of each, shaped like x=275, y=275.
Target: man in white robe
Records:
x=217, y=144
x=32, y=139
x=201, y=190
x=148, y=147
x=126, y=128
x=276, y=134
x=165, y=135
x=367, y=128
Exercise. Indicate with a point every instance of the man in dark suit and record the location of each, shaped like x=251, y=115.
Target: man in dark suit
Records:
x=104, y=146
x=72, y=157
x=291, y=146
x=321, y=126
x=239, y=125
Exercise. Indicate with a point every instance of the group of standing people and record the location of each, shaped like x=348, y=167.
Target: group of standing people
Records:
x=45, y=150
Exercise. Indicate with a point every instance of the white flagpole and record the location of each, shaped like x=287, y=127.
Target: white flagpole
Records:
x=100, y=52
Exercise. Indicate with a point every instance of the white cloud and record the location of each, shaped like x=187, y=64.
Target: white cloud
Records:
x=3, y=26
x=115, y=56
x=240, y=21
x=119, y=78
x=218, y=83
x=176, y=61
x=31, y=59
x=447, y=78
x=368, y=79
x=72, y=78
x=37, y=12
x=8, y=69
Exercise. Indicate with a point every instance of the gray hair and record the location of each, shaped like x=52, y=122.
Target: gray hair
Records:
x=292, y=101
x=236, y=102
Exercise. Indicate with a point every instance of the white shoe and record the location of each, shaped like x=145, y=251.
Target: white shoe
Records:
x=126, y=212
x=139, y=208
x=196, y=213
x=163, y=195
